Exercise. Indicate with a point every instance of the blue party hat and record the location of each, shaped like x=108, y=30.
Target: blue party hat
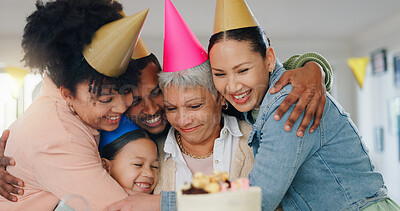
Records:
x=125, y=127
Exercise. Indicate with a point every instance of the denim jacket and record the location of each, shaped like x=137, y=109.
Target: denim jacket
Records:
x=328, y=169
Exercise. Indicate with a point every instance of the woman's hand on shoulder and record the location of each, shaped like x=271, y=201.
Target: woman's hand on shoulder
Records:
x=308, y=91
x=8, y=183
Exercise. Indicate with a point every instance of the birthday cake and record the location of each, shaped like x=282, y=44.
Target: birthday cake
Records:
x=216, y=192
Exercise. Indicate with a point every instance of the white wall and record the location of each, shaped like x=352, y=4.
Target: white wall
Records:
x=10, y=50
x=373, y=99
x=10, y=55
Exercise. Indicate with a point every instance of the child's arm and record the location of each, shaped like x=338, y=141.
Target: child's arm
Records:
x=308, y=74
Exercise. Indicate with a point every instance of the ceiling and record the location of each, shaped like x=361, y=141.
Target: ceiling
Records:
x=342, y=19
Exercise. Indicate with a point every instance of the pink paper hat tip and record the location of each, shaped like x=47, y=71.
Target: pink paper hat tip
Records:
x=182, y=50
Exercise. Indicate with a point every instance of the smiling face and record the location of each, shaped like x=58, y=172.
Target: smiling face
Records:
x=147, y=109
x=194, y=112
x=135, y=167
x=100, y=112
x=240, y=74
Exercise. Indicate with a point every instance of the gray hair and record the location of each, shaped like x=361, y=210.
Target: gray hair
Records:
x=200, y=75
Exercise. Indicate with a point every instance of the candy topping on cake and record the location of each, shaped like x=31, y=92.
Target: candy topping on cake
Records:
x=214, y=183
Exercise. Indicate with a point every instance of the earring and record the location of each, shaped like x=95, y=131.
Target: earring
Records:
x=225, y=107
x=71, y=108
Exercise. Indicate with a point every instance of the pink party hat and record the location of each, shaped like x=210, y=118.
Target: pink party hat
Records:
x=182, y=50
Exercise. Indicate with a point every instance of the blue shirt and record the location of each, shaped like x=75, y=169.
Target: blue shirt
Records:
x=328, y=169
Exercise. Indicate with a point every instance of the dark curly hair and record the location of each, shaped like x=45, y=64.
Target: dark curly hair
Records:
x=143, y=62
x=54, y=38
x=137, y=65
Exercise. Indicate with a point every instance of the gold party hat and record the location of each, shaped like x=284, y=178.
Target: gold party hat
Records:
x=233, y=14
x=358, y=66
x=140, y=50
x=112, y=45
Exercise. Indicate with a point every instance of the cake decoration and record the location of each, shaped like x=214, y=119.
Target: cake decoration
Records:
x=214, y=183
x=215, y=193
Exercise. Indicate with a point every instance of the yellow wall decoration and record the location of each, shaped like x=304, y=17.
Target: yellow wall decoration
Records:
x=18, y=75
x=358, y=66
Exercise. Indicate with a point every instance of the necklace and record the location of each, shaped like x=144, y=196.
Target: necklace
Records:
x=188, y=153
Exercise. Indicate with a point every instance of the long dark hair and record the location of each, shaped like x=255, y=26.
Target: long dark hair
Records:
x=254, y=35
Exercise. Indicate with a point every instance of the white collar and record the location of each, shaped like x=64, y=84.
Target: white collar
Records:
x=171, y=147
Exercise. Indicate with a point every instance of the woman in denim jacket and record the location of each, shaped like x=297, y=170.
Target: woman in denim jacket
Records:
x=325, y=169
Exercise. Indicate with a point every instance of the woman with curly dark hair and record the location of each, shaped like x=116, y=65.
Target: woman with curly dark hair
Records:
x=81, y=47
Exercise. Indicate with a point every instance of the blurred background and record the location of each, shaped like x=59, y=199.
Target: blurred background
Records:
x=365, y=31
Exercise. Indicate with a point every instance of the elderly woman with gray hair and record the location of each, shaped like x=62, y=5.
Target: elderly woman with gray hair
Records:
x=201, y=138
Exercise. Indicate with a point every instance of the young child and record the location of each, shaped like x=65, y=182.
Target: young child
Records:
x=130, y=157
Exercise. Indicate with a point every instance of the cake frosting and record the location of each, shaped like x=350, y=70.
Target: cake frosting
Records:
x=216, y=192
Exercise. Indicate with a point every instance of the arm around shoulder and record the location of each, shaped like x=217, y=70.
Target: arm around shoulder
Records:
x=297, y=61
